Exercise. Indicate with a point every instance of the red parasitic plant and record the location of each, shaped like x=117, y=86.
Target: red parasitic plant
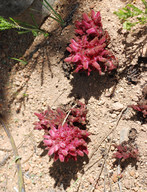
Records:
x=66, y=142
x=88, y=49
x=49, y=118
x=126, y=151
x=63, y=136
x=140, y=108
x=54, y=118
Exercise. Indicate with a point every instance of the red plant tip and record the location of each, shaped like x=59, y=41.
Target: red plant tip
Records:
x=49, y=118
x=140, y=108
x=126, y=151
x=66, y=142
x=53, y=118
x=88, y=49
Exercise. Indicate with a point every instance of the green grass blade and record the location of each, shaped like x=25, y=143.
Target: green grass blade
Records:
x=34, y=21
x=22, y=32
x=23, y=62
x=57, y=16
x=53, y=10
x=57, y=20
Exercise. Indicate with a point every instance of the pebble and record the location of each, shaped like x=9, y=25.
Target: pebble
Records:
x=135, y=98
x=114, y=177
x=127, y=184
x=132, y=173
x=120, y=90
x=117, y=106
x=2, y=178
x=144, y=51
x=2, y=153
x=113, y=116
x=136, y=175
x=101, y=102
x=136, y=189
x=124, y=134
x=17, y=83
x=91, y=180
x=28, y=181
x=92, y=5
x=112, y=148
x=26, y=167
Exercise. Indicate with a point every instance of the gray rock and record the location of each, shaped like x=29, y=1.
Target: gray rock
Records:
x=127, y=184
x=124, y=134
x=117, y=106
x=23, y=9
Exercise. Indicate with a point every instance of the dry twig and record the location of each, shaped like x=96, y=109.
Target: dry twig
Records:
x=18, y=147
x=17, y=158
x=102, y=140
x=111, y=131
x=68, y=114
x=107, y=154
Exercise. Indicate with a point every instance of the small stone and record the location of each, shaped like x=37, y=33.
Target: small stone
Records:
x=120, y=90
x=2, y=178
x=92, y=5
x=127, y=184
x=113, y=116
x=136, y=189
x=27, y=181
x=114, y=177
x=144, y=51
x=91, y=180
x=112, y=148
x=26, y=167
x=101, y=102
x=135, y=98
x=124, y=134
x=117, y=106
x=132, y=173
x=136, y=175
x=2, y=153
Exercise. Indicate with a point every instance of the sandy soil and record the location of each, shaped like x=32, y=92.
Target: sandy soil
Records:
x=46, y=80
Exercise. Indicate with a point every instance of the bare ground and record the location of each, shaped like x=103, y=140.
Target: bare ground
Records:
x=45, y=80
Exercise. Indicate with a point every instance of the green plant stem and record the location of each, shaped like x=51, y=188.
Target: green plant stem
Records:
x=29, y=29
x=17, y=158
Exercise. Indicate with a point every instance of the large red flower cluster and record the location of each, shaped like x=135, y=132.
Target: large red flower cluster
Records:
x=88, y=49
x=63, y=135
x=66, y=142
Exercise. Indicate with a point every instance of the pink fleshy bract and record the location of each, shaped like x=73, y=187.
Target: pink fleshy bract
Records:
x=66, y=142
x=140, y=108
x=126, y=151
x=88, y=50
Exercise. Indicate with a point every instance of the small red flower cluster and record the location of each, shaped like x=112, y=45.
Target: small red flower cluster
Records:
x=125, y=151
x=141, y=108
x=87, y=50
x=66, y=140
x=49, y=119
